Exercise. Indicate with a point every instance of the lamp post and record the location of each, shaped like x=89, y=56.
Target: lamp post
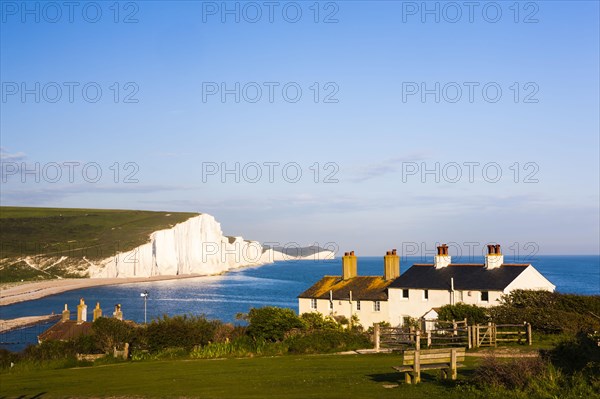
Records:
x=145, y=296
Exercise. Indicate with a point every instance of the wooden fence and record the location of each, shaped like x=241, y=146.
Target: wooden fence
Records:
x=492, y=334
x=451, y=334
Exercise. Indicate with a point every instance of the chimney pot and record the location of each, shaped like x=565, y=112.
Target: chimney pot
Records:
x=442, y=259
x=494, y=257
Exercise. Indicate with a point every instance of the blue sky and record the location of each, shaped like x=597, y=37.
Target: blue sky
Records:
x=368, y=125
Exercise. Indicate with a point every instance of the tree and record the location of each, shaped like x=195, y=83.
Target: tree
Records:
x=474, y=314
x=271, y=323
x=111, y=333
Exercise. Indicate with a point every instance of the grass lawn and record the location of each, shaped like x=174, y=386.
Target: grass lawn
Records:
x=75, y=233
x=320, y=376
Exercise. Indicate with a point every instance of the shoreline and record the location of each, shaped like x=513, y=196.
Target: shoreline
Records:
x=11, y=293
x=29, y=291
x=24, y=322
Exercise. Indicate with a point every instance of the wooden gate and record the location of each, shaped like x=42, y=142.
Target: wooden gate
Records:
x=485, y=335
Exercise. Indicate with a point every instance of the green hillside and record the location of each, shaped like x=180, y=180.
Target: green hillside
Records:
x=45, y=235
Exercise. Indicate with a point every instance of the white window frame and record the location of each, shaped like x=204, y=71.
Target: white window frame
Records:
x=425, y=295
x=313, y=303
x=357, y=305
x=376, y=306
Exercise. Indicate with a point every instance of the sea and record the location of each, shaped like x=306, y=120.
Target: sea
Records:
x=226, y=296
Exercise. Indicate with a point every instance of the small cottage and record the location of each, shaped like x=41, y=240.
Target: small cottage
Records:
x=351, y=295
x=426, y=286
x=421, y=290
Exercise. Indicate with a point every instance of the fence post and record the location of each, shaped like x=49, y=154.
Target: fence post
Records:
x=476, y=336
x=418, y=340
x=454, y=333
x=469, y=337
x=428, y=339
x=376, y=336
x=529, y=336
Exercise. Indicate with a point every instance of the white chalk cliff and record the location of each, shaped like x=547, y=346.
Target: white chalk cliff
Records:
x=196, y=246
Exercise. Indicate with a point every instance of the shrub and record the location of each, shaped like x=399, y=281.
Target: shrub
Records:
x=50, y=350
x=548, y=312
x=271, y=323
x=179, y=331
x=110, y=333
x=327, y=341
x=578, y=354
x=474, y=314
x=316, y=321
x=226, y=332
x=511, y=374
x=7, y=358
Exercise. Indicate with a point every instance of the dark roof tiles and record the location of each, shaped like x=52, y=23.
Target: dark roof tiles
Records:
x=466, y=277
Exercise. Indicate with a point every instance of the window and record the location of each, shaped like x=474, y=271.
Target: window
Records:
x=405, y=294
x=357, y=305
x=425, y=295
x=330, y=305
x=377, y=306
x=313, y=303
x=485, y=296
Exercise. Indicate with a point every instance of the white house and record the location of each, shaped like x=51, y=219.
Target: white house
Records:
x=349, y=294
x=426, y=286
x=392, y=297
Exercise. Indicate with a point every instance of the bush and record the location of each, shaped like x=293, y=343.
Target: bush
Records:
x=272, y=323
x=511, y=374
x=50, y=350
x=7, y=358
x=316, y=321
x=240, y=347
x=579, y=354
x=110, y=333
x=327, y=341
x=179, y=331
x=474, y=314
x=548, y=312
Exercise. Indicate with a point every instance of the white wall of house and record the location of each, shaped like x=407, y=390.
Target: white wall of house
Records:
x=367, y=314
x=416, y=305
x=530, y=279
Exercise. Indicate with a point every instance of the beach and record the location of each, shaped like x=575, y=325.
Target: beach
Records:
x=27, y=291
x=22, y=322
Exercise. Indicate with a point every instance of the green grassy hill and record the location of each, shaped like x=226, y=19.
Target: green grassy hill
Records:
x=44, y=236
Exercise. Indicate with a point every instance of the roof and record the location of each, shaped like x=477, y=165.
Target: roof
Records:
x=466, y=277
x=66, y=330
x=372, y=288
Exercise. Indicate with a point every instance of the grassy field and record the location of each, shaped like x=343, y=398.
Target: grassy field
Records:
x=319, y=376
x=50, y=233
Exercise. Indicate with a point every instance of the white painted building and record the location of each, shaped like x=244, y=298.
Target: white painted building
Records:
x=426, y=286
x=349, y=294
x=393, y=297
